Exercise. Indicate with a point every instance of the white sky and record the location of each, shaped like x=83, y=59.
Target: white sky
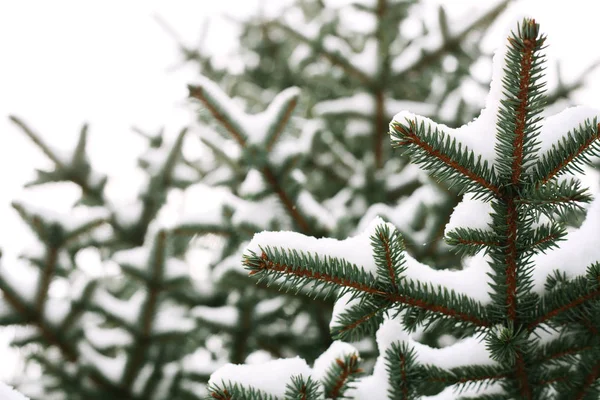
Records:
x=63, y=63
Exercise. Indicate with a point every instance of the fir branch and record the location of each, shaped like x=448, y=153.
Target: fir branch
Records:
x=35, y=138
x=555, y=197
x=300, y=270
x=282, y=121
x=522, y=375
x=388, y=252
x=402, y=371
x=465, y=376
x=301, y=389
x=469, y=242
x=569, y=153
x=360, y=319
x=564, y=350
x=590, y=381
x=33, y=315
x=565, y=298
x=77, y=172
x=220, y=114
x=139, y=351
x=440, y=154
x=340, y=376
x=517, y=131
x=543, y=237
x=46, y=276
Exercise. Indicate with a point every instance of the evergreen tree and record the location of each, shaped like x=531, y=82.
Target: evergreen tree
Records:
x=528, y=297
x=307, y=160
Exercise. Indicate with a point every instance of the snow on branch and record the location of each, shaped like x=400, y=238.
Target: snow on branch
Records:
x=263, y=128
x=8, y=393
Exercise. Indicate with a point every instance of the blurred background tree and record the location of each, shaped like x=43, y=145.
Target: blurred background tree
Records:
x=173, y=303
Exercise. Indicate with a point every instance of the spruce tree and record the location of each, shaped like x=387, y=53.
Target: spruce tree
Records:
x=280, y=158
x=528, y=297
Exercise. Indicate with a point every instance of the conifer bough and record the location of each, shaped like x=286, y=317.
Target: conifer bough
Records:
x=527, y=299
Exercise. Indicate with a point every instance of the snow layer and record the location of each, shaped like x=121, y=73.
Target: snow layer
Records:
x=270, y=377
x=8, y=393
x=479, y=135
x=471, y=281
x=308, y=205
x=468, y=351
x=470, y=213
x=253, y=184
x=103, y=338
x=172, y=318
x=254, y=127
x=125, y=310
x=225, y=315
x=364, y=104
x=337, y=350
x=110, y=367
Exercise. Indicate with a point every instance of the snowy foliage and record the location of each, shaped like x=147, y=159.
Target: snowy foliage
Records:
x=523, y=306
x=146, y=299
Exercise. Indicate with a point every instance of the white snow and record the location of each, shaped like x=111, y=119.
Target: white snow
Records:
x=357, y=127
x=260, y=213
x=288, y=147
x=172, y=318
x=22, y=278
x=366, y=60
x=471, y=213
x=56, y=310
x=403, y=214
x=479, y=135
x=337, y=350
x=269, y=306
x=125, y=310
x=200, y=362
x=307, y=204
x=253, y=127
x=300, y=53
x=253, y=184
x=8, y=393
x=356, y=20
x=364, y=104
x=88, y=261
x=110, y=367
x=342, y=304
x=137, y=259
x=225, y=315
x=103, y=338
x=270, y=377
x=471, y=281
x=142, y=379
